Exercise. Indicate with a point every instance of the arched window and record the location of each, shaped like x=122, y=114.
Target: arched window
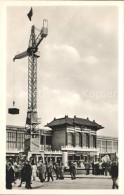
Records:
x=78, y=139
x=70, y=139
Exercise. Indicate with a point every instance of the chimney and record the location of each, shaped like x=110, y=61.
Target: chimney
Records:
x=66, y=116
x=55, y=118
x=87, y=118
x=74, y=116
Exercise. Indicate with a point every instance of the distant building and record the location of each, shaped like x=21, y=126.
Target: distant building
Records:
x=15, y=141
x=107, y=146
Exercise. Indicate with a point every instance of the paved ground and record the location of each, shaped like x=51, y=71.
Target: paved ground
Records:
x=85, y=182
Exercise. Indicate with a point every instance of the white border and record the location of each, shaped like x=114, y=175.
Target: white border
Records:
x=3, y=5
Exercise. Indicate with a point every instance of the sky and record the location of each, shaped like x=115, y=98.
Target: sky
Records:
x=77, y=70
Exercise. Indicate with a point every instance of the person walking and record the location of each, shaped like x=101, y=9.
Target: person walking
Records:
x=28, y=173
x=96, y=166
x=73, y=170
x=100, y=168
x=49, y=171
x=34, y=171
x=62, y=168
x=42, y=172
x=20, y=168
x=93, y=172
x=114, y=174
x=22, y=174
x=16, y=171
x=9, y=176
x=57, y=171
x=87, y=167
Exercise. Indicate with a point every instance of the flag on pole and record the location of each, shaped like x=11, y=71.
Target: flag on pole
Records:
x=30, y=14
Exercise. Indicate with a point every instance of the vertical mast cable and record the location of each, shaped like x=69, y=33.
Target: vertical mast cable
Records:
x=13, y=83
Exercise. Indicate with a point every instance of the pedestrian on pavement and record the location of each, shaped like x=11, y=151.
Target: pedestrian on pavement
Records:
x=62, y=168
x=9, y=176
x=106, y=165
x=100, y=168
x=42, y=172
x=20, y=167
x=22, y=174
x=16, y=171
x=73, y=170
x=96, y=166
x=28, y=173
x=114, y=174
x=34, y=171
x=57, y=171
x=87, y=167
x=103, y=167
x=93, y=172
x=49, y=171
x=109, y=167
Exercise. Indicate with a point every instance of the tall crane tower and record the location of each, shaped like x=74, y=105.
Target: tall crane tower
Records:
x=33, y=53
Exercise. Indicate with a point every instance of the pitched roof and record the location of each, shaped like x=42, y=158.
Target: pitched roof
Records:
x=74, y=121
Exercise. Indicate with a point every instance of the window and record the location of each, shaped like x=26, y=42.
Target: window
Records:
x=11, y=141
x=104, y=148
x=115, y=146
x=94, y=141
x=48, y=140
x=84, y=139
x=91, y=141
x=99, y=145
x=109, y=146
x=78, y=139
x=70, y=139
x=41, y=139
x=20, y=141
x=87, y=140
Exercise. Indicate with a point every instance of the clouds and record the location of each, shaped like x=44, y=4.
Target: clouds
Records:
x=78, y=64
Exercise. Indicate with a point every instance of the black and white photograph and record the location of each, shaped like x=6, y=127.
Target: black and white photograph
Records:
x=62, y=97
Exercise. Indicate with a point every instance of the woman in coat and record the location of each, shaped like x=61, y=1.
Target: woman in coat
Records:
x=42, y=172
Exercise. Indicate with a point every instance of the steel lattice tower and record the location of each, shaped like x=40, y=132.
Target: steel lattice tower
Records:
x=32, y=119
x=32, y=52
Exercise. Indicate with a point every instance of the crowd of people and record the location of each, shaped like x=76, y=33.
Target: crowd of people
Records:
x=27, y=171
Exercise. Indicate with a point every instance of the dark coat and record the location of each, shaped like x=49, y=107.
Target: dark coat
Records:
x=49, y=168
x=23, y=173
x=28, y=172
x=114, y=171
x=42, y=172
x=72, y=169
x=87, y=165
x=9, y=178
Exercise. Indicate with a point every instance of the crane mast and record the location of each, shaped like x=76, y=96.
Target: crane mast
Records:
x=32, y=119
x=32, y=52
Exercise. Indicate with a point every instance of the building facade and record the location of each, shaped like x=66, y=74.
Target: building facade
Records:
x=15, y=141
x=68, y=139
x=75, y=137
x=107, y=146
